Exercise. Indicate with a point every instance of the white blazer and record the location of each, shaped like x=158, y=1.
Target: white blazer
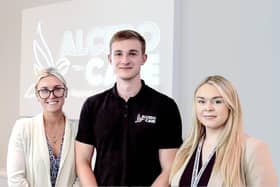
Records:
x=28, y=162
x=256, y=164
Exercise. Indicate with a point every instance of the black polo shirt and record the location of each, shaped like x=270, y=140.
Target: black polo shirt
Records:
x=128, y=135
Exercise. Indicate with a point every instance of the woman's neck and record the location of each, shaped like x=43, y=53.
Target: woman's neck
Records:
x=211, y=138
x=209, y=145
x=54, y=119
x=212, y=135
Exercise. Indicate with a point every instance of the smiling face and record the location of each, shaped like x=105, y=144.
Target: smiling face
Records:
x=51, y=104
x=127, y=58
x=211, y=109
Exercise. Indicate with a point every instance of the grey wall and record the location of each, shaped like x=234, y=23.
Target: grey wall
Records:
x=9, y=71
x=238, y=39
x=3, y=181
x=10, y=37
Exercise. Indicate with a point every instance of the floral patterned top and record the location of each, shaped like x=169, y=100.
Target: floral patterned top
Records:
x=54, y=162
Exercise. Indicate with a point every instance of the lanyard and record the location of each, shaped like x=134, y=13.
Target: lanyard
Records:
x=196, y=175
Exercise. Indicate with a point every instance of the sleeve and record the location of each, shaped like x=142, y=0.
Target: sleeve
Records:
x=260, y=171
x=16, y=166
x=170, y=125
x=85, y=131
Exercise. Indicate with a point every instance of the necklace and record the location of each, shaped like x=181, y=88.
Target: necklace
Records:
x=54, y=132
x=196, y=175
x=53, y=140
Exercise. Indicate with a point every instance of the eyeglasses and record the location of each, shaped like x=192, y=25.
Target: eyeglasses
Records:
x=45, y=93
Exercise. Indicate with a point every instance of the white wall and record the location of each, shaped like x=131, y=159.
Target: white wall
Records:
x=3, y=182
x=10, y=26
x=238, y=39
x=9, y=71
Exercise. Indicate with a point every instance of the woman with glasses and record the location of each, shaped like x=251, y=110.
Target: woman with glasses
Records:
x=41, y=148
x=217, y=152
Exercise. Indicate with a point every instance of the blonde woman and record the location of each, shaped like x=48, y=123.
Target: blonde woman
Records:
x=41, y=148
x=217, y=152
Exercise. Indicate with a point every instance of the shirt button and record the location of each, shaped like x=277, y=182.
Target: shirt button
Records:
x=125, y=115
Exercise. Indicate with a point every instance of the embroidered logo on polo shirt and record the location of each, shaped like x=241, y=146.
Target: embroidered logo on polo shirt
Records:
x=146, y=118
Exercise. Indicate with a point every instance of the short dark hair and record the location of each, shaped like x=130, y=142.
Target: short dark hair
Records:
x=127, y=35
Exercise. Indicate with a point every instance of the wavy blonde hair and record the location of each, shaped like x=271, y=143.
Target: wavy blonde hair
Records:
x=229, y=148
x=49, y=71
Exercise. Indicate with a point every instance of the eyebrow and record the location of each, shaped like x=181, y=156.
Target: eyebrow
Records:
x=216, y=97
x=117, y=51
x=55, y=86
x=131, y=50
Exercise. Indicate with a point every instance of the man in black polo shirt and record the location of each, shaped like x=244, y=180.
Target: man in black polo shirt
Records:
x=134, y=129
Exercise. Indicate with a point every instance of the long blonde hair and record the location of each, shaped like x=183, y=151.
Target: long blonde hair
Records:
x=229, y=149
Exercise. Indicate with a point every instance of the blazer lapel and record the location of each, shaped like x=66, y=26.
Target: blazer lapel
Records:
x=215, y=180
x=66, y=146
x=42, y=142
